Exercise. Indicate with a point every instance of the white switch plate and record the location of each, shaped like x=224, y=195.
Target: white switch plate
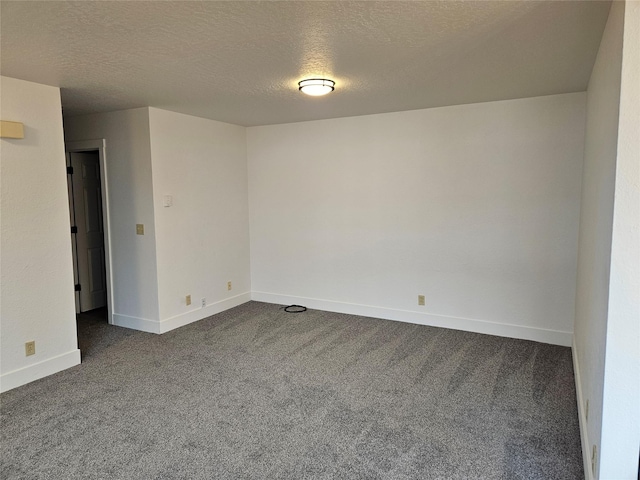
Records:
x=168, y=200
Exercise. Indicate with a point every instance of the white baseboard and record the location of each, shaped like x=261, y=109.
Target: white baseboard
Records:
x=582, y=417
x=136, y=323
x=172, y=323
x=44, y=368
x=177, y=321
x=554, y=337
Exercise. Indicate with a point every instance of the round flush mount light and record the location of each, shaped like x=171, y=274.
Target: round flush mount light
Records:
x=316, y=86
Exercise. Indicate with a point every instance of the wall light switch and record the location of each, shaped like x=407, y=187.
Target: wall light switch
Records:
x=139, y=229
x=168, y=200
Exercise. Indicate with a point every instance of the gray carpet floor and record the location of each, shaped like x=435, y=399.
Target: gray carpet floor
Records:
x=258, y=393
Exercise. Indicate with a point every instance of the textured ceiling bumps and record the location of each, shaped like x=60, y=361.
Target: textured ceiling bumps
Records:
x=240, y=62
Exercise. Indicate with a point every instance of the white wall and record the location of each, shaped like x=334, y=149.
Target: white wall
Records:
x=594, y=256
x=475, y=206
x=596, y=219
x=621, y=397
x=128, y=164
x=607, y=326
x=203, y=239
x=191, y=248
x=37, y=299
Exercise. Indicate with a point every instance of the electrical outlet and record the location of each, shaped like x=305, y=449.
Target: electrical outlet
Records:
x=204, y=302
x=188, y=299
x=228, y=285
x=594, y=459
x=139, y=229
x=30, y=348
x=421, y=300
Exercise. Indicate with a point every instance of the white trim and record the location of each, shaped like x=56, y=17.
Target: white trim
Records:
x=168, y=324
x=136, y=323
x=100, y=146
x=42, y=369
x=177, y=321
x=554, y=337
x=582, y=418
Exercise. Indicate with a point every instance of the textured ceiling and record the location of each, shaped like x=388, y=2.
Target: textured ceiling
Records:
x=240, y=62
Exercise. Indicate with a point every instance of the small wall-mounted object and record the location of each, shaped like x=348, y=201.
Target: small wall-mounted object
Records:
x=11, y=129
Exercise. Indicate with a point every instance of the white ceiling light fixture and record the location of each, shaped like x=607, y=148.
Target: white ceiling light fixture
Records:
x=316, y=86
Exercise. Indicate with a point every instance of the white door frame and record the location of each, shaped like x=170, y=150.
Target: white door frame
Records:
x=99, y=146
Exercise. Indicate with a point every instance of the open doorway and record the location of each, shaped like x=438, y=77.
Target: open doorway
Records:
x=87, y=233
x=89, y=214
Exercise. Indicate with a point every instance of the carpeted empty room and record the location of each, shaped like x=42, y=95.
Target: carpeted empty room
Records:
x=256, y=392
x=450, y=188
